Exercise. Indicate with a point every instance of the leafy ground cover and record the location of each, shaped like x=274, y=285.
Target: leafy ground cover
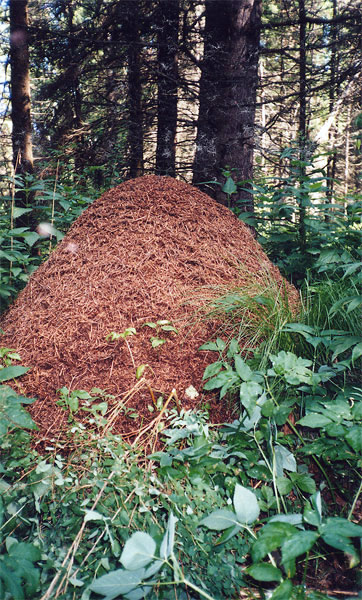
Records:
x=255, y=505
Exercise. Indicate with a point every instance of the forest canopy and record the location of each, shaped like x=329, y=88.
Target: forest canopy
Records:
x=186, y=88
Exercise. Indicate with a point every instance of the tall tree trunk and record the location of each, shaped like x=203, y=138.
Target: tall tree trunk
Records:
x=229, y=77
x=135, y=129
x=303, y=134
x=332, y=159
x=20, y=105
x=20, y=87
x=167, y=81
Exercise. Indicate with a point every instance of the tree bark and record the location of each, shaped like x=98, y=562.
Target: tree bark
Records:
x=135, y=130
x=303, y=134
x=167, y=81
x=20, y=88
x=229, y=77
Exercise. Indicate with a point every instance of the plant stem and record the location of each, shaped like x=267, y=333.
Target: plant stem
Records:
x=350, y=514
x=197, y=589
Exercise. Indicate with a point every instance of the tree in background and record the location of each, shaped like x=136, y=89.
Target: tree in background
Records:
x=20, y=106
x=167, y=85
x=131, y=26
x=117, y=92
x=20, y=88
x=229, y=78
x=310, y=80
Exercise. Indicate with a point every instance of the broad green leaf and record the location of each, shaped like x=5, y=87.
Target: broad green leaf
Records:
x=340, y=526
x=340, y=542
x=357, y=351
x=138, y=551
x=64, y=204
x=264, y=572
x=354, y=438
x=314, y=420
x=168, y=540
x=249, y=393
x=293, y=519
x=228, y=534
x=245, y=373
x=93, y=515
x=12, y=412
x=271, y=537
x=25, y=551
x=305, y=482
x=82, y=394
x=156, y=342
x=117, y=583
x=246, y=505
x=12, y=372
x=229, y=186
x=351, y=302
x=294, y=369
x=311, y=516
x=220, y=344
x=345, y=344
x=153, y=568
x=299, y=328
x=352, y=268
x=220, y=519
x=233, y=349
x=328, y=256
x=354, y=303
x=284, y=485
x=226, y=378
x=76, y=582
x=139, y=593
x=284, y=459
x=12, y=585
x=17, y=415
x=140, y=370
x=209, y=346
x=283, y=591
x=169, y=328
x=30, y=237
x=18, y=212
x=298, y=544
x=213, y=369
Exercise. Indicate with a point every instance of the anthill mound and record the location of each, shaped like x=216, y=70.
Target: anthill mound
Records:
x=150, y=249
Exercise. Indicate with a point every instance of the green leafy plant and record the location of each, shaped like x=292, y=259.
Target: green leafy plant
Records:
x=81, y=400
x=141, y=564
x=113, y=336
x=12, y=412
x=7, y=355
x=298, y=226
x=159, y=327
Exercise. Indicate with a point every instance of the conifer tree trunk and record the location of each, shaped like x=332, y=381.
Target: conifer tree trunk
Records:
x=229, y=77
x=167, y=41
x=20, y=87
x=303, y=134
x=135, y=130
x=20, y=107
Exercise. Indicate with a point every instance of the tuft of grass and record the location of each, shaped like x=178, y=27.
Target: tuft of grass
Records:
x=264, y=319
x=255, y=315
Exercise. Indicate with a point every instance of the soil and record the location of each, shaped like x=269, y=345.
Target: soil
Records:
x=151, y=249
